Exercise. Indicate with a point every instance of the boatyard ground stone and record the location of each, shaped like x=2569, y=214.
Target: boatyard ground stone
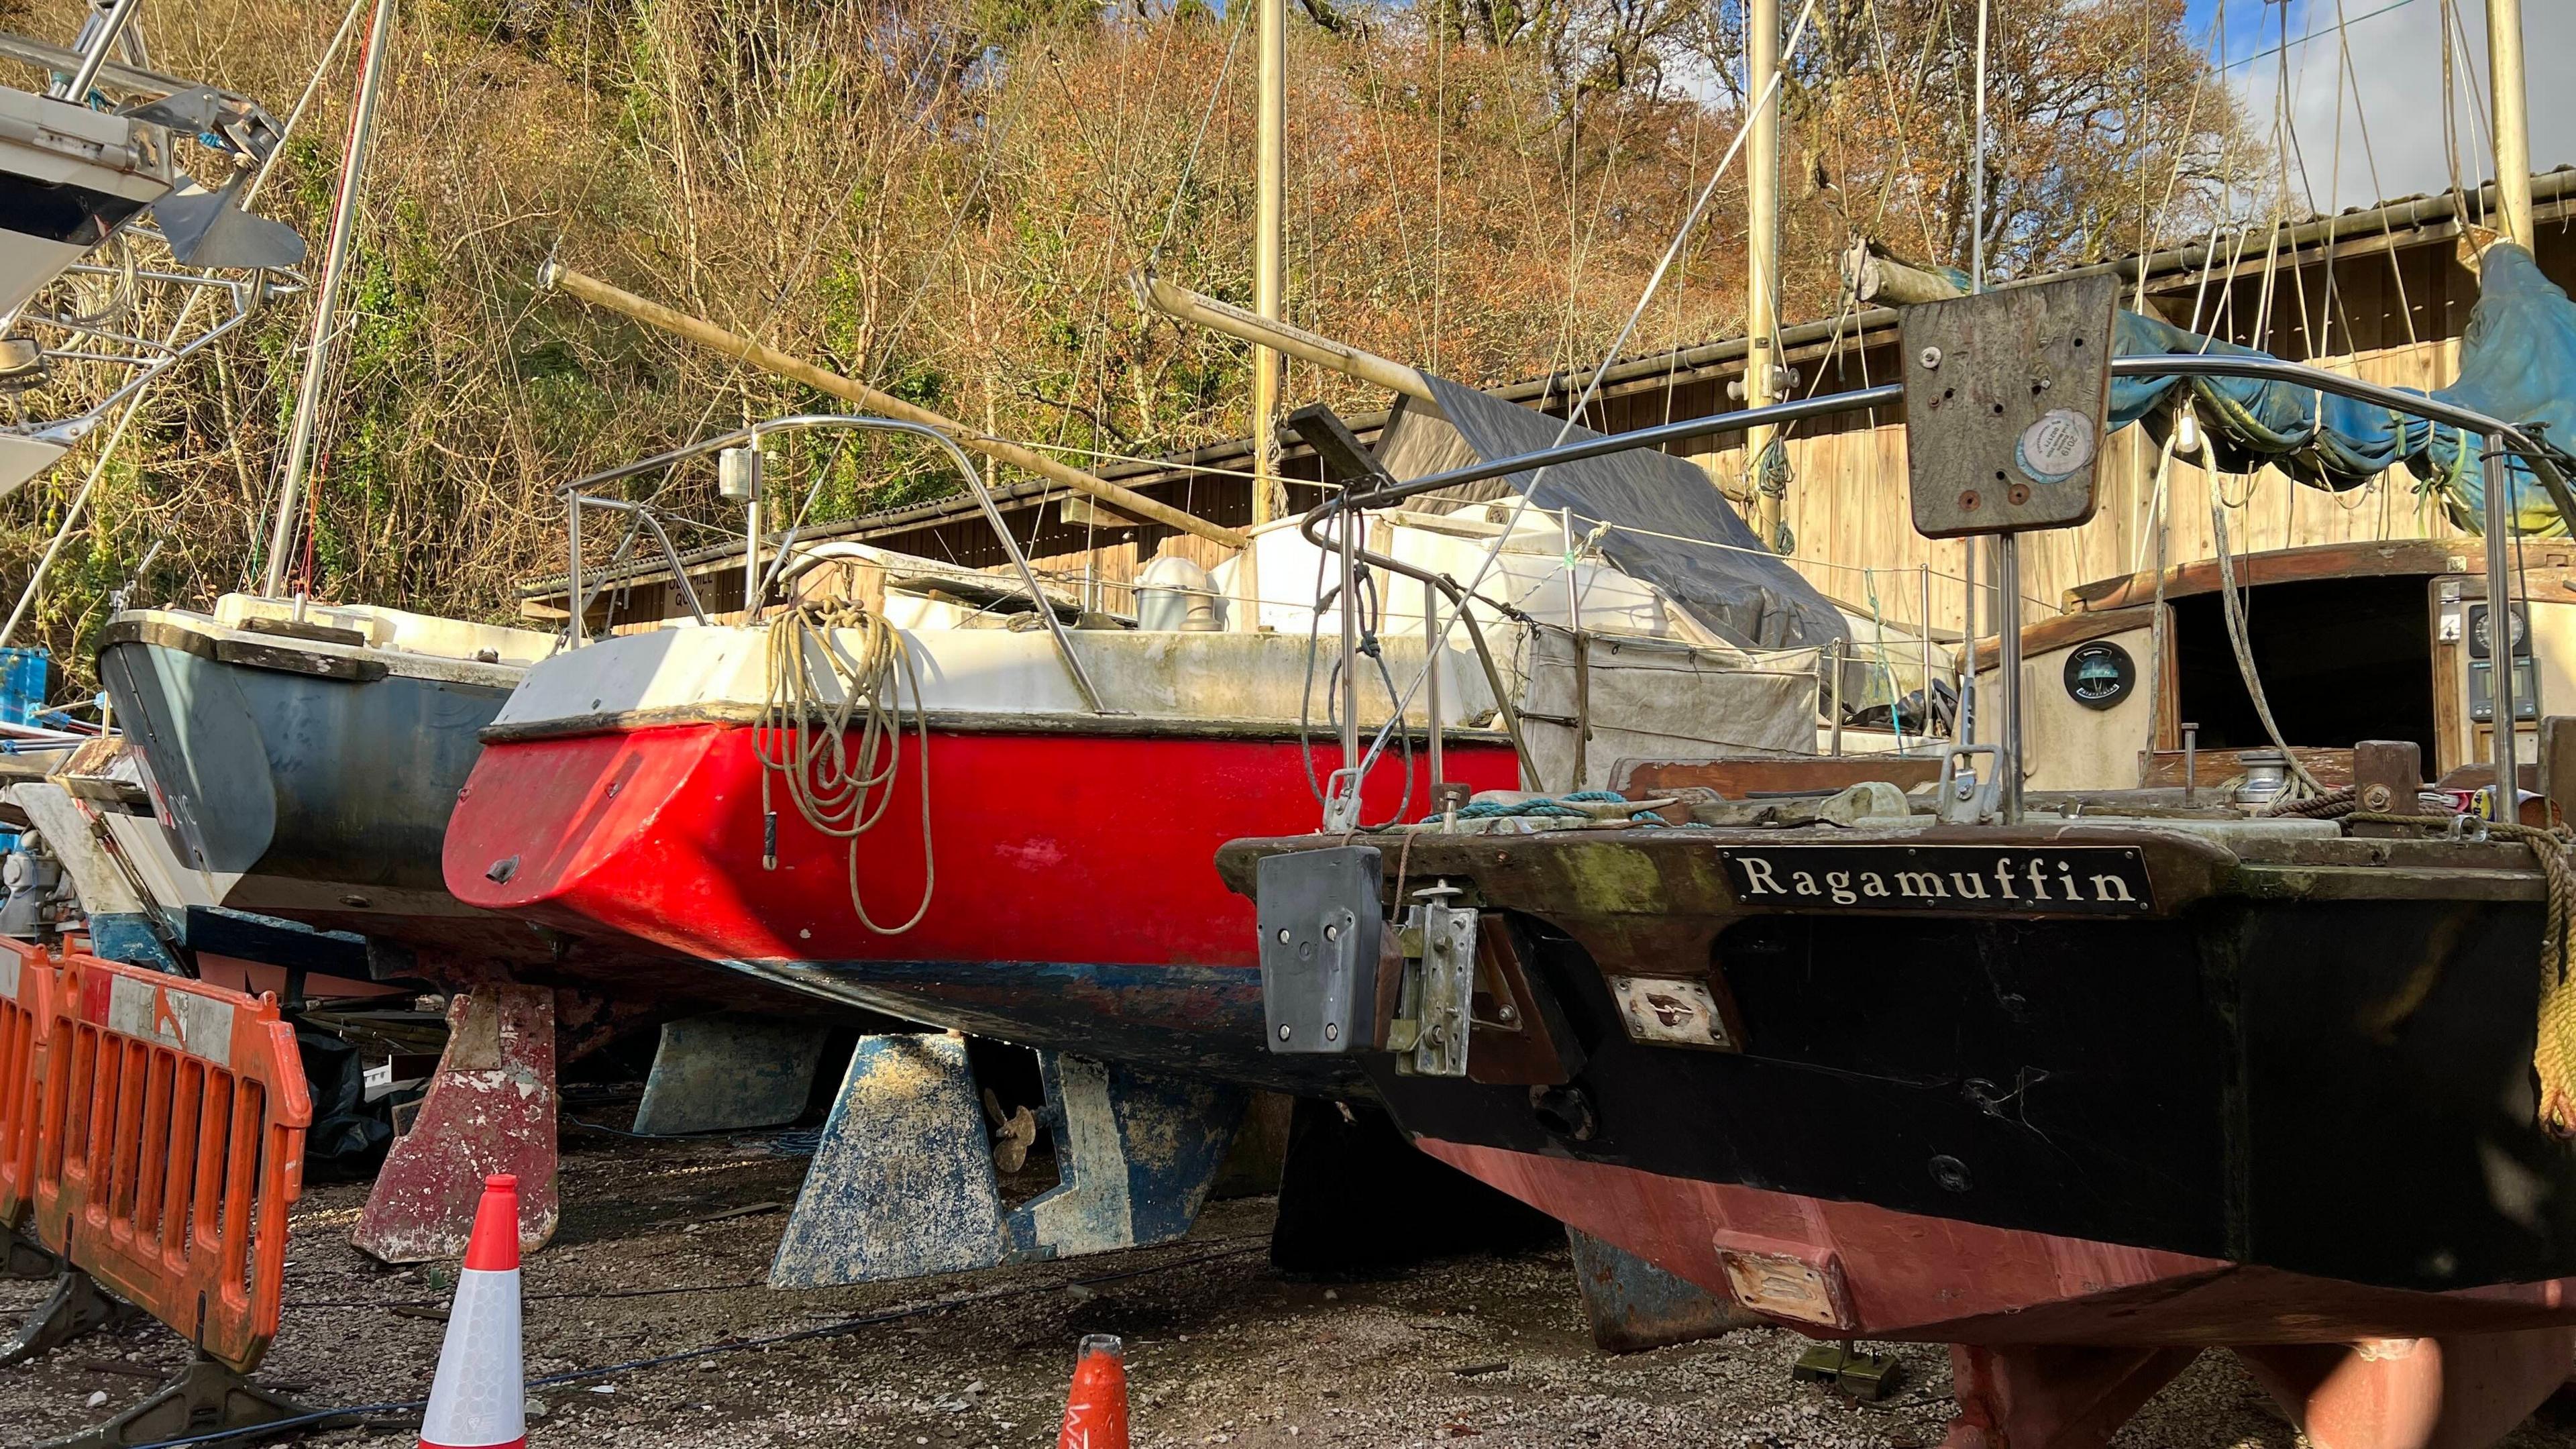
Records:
x=1220, y=1348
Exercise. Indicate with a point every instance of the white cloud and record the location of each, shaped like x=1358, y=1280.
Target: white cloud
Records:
x=2396, y=58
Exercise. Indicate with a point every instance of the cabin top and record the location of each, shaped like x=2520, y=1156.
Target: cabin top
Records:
x=2424, y=557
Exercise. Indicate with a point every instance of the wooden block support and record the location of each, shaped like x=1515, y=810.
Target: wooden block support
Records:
x=2386, y=775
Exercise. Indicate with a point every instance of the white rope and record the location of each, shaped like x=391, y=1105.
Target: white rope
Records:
x=2302, y=784
x=840, y=790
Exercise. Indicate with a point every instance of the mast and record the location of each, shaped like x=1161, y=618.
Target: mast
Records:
x=2513, y=189
x=326, y=300
x=1762, y=258
x=2512, y=118
x=2007, y=545
x=1270, y=220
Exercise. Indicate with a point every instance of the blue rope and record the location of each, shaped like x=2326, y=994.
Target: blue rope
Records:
x=1553, y=807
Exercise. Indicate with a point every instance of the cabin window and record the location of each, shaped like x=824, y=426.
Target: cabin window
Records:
x=2341, y=660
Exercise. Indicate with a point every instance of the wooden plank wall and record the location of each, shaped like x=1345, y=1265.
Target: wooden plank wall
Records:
x=1847, y=507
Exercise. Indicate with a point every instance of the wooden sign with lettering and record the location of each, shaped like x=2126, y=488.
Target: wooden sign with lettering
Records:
x=1981, y=880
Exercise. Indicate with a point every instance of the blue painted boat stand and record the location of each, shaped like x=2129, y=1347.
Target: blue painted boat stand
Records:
x=729, y=1072
x=903, y=1183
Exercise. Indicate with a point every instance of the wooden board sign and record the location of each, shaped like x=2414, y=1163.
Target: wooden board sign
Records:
x=2007, y=395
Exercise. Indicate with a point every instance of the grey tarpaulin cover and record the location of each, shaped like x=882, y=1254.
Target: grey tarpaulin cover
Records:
x=1748, y=595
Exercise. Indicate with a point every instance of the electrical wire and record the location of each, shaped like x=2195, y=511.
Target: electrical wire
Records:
x=840, y=1328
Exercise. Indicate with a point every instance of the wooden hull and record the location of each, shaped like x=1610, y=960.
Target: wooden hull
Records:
x=1917, y=1277
x=2284, y=1065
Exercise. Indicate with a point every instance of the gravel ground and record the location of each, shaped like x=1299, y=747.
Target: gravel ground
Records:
x=1220, y=1349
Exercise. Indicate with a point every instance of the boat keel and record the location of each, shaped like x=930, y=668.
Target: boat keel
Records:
x=903, y=1183
x=2464, y=1391
x=1634, y=1305
x=729, y=1072
x=489, y=1109
x=2052, y=1396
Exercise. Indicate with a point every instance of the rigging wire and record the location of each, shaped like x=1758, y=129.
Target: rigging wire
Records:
x=76, y=510
x=2370, y=159
x=1767, y=95
x=1904, y=145
x=1198, y=136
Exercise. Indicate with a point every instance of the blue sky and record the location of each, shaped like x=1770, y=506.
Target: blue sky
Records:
x=2395, y=49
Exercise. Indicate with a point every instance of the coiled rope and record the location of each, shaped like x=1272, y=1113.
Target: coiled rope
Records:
x=840, y=756
x=1546, y=807
x=2332, y=805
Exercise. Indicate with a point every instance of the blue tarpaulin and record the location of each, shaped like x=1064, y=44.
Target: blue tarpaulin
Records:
x=2517, y=363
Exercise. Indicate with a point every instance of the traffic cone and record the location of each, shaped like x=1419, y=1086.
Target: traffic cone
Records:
x=479, y=1399
x=1095, y=1413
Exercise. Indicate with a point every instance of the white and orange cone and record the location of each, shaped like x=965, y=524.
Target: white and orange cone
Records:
x=479, y=1399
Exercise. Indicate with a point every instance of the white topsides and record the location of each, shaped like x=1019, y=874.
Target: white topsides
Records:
x=1196, y=677
x=419, y=646
x=397, y=629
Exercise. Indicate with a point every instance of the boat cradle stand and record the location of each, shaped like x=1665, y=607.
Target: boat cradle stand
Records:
x=1634, y=1306
x=2383, y=1393
x=729, y=1072
x=903, y=1182
x=490, y=1108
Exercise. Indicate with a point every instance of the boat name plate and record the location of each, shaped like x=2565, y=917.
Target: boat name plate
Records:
x=1953, y=879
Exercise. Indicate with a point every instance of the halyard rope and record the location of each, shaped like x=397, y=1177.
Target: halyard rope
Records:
x=842, y=785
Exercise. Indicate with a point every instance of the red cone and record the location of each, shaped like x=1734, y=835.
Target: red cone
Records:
x=1095, y=1413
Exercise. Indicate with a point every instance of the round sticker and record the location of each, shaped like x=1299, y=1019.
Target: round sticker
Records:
x=2052, y=449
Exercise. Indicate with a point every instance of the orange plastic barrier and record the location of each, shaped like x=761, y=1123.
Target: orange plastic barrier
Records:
x=28, y=979
x=170, y=1146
